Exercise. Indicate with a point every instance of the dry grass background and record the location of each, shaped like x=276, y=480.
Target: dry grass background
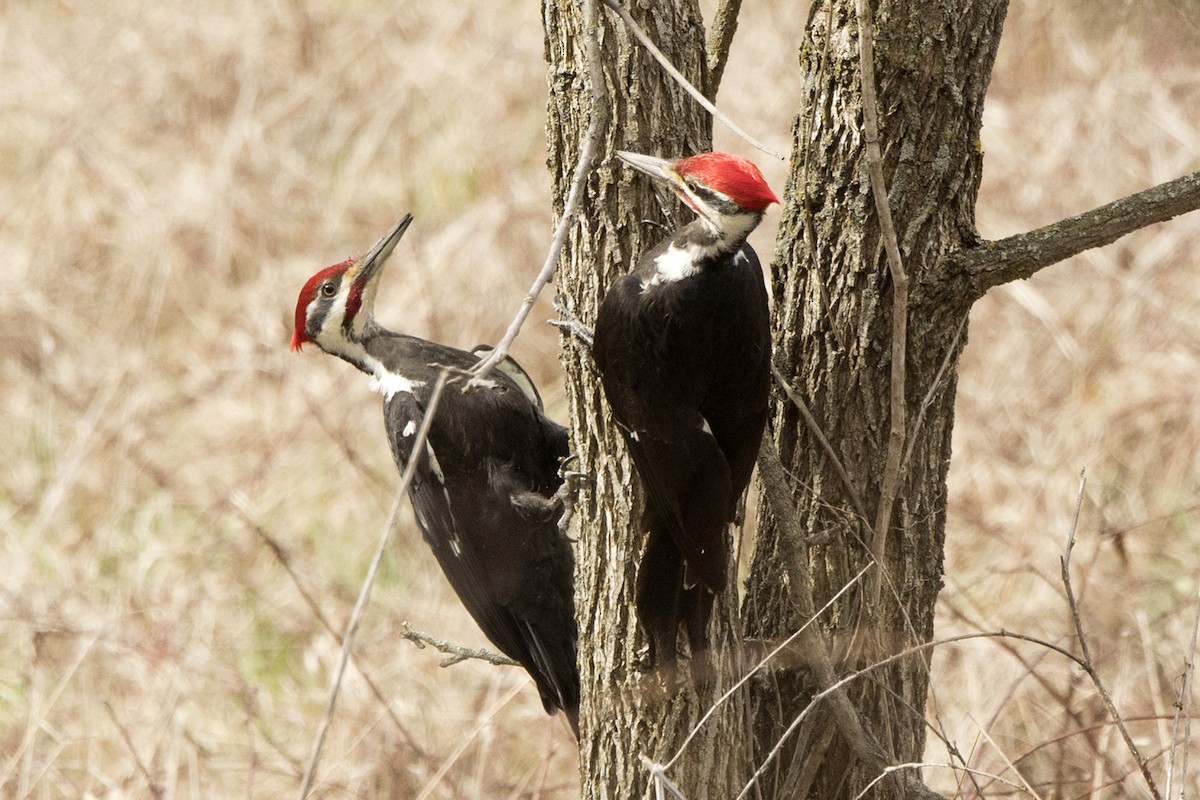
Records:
x=171, y=173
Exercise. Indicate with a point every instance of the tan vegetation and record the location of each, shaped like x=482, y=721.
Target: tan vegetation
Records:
x=169, y=176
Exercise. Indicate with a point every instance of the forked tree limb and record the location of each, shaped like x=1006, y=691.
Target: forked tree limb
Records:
x=720, y=38
x=1017, y=257
x=455, y=653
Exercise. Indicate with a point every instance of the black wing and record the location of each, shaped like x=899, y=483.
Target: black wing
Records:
x=492, y=525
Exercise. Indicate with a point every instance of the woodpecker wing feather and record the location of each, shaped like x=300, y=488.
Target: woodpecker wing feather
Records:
x=482, y=496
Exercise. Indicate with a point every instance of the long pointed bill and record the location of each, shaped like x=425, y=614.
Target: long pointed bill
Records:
x=366, y=267
x=659, y=168
x=364, y=277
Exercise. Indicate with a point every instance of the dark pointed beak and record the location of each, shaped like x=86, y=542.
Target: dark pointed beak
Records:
x=658, y=168
x=368, y=266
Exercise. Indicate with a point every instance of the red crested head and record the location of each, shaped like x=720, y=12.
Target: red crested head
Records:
x=309, y=293
x=733, y=176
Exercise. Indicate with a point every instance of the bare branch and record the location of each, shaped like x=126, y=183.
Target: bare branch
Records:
x=677, y=76
x=1087, y=663
x=237, y=503
x=787, y=642
x=923, y=765
x=1017, y=257
x=589, y=151
x=913, y=787
x=356, y=615
x=799, y=403
x=720, y=38
x=933, y=387
x=456, y=653
x=1183, y=707
x=660, y=781
x=887, y=229
x=156, y=789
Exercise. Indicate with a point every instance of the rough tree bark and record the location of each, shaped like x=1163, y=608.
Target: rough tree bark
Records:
x=627, y=713
x=832, y=425
x=833, y=339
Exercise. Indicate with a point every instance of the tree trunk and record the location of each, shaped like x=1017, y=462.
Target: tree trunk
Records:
x=628, y=713
x=833, y=338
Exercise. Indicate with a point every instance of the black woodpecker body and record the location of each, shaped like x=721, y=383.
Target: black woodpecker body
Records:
x=683, y=346
x=484, y=488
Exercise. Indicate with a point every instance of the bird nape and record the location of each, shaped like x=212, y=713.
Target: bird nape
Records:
x=484, y=490
x=683, y=346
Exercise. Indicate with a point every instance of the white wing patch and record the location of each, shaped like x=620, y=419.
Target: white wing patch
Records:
x=410, y=428
x=389, y=383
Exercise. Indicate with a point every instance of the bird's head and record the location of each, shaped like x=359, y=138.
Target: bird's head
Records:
x=726, y=191
x=336, y=305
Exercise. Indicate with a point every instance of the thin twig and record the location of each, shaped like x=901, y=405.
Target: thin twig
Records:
x=924, y=764
x=660, y=781
x=1087, y=663
x=410, y=470
x=799, y=403
x=887, y=229
x=763, y=662
x=1183, y=706
x=699, y=97
x=1018, y=257
x=720, y=38
x=927, y=401
x=237, y=502
x=156, y=789
x=456, y=653
x=589, y=150
x=915, y=649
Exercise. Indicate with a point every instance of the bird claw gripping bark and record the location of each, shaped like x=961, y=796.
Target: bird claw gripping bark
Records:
x=569, y=324
x=568, y=492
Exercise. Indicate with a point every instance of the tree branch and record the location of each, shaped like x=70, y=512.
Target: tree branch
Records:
x=455, y=653
x=1017, y=257
x=720, y=38
x=1088, y=665
x=890, y=483
x=588, y=153
x=410, y=470
x=802, y=407
x=677, y=76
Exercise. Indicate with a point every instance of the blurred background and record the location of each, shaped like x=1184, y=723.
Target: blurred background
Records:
x=185, y=505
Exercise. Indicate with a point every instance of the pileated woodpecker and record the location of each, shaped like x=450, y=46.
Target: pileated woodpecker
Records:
x=683, y=347
x=484, y=487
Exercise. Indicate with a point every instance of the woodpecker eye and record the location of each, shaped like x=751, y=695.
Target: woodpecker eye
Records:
x=328, y=288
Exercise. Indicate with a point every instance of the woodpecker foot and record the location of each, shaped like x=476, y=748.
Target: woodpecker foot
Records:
x=566, y=495
x=569, y=324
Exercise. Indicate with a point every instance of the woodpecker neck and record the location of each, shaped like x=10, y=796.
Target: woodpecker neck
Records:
x=355, y=347
x=700, y=243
